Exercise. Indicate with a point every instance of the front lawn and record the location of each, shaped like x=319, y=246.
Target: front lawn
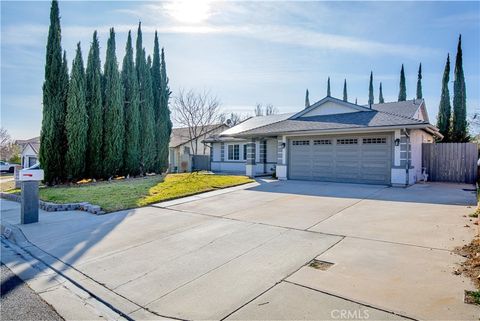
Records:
x=180, y=185
x=125, y=194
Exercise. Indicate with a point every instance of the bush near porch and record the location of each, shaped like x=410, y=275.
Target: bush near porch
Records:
x=131, y=193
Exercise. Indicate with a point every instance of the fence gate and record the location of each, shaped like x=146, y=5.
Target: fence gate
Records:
x=200, y=162
x=450, y=162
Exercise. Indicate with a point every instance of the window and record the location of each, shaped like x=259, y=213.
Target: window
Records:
x=322, y=142
x=245, y=151
x=301, y=142
x=347, y=141
x=375, y=140
x=233, y=152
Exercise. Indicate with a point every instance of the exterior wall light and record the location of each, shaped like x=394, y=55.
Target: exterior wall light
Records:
x=283, y=145
x=397, y=142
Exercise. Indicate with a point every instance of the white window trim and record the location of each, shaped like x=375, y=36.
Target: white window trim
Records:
x=240, y=152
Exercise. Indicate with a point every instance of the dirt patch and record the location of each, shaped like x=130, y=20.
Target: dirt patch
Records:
x=320, y=265
x=471, y=267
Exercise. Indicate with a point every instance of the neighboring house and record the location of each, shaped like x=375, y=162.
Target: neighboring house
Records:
x=29, y=151
x=182, y=147
x=331, y=140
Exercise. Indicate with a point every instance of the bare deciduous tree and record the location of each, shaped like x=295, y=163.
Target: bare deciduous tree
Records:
x=196, y=111
x=8, y=148
x=233, y=119
x=269, y=109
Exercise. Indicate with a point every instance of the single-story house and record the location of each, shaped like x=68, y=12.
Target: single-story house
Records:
x=331, y=140
x=29, y=151
x=182, y=146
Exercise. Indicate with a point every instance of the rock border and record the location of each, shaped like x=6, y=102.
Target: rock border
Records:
x=54, y=207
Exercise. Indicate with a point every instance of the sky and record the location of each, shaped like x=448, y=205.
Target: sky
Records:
x=249, y=52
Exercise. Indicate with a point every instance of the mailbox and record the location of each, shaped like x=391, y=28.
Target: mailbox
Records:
x=29, y=179
x=31, y=175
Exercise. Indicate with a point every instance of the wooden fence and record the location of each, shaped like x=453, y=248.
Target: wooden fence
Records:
x=451, y=162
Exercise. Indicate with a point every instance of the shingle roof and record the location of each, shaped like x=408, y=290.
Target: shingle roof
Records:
x=34, y=142
x=406, y=108
x=361, y=119
x=255, y=122
x=181, y=135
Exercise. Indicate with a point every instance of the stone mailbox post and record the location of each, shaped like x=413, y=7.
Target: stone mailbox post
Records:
x=29, y=179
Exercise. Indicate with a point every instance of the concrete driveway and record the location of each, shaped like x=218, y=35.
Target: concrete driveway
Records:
x=245, y=254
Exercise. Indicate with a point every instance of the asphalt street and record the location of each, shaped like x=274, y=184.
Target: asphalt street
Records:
x=19, y=302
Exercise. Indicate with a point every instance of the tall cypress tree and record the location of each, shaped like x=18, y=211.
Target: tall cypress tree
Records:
x=328, y=87
x=444, y=110
x=419, y=83
x=380, y=95
x=402, y=95
x=345, y=96
x=307, y=99
x=114, y=127
x=65, y=79
x=159, y=121
x=370, y=90
x=165, y=110
x=459, y=121
x=147, y=115
x=132, y=112
x=76, y=122
x=94, y=106
x=52, y=137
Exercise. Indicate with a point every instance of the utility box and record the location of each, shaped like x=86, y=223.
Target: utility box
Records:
x=29, y=179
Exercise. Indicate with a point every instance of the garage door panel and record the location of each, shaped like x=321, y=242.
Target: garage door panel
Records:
x=350, y=155
x=355, y=159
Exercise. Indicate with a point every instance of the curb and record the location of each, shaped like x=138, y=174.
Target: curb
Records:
x=54, y=207
x=69, y=300
x=74, y=295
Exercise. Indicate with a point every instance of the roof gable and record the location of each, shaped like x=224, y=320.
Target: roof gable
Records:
x=414, y=108
x=329, y=106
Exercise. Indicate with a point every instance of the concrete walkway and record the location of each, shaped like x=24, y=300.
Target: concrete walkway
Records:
x=245, y=254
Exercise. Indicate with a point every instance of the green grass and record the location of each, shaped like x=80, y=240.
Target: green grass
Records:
x=125, y=194
x=473, y=297
x=180, y=185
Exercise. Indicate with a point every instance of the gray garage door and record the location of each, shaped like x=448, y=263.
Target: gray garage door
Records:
x=353, y=159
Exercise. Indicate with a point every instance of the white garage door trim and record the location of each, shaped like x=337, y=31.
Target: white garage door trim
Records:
x=343, y=158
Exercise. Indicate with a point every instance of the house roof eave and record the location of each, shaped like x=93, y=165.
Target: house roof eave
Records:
x=340, y=130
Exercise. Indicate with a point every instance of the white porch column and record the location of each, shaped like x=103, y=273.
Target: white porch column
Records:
x=250, y=162
x=282, y=158
x=401, y=161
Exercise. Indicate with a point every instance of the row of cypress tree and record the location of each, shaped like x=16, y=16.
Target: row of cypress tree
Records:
x=101, y=124
x=454, y=127
x=402, y=95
